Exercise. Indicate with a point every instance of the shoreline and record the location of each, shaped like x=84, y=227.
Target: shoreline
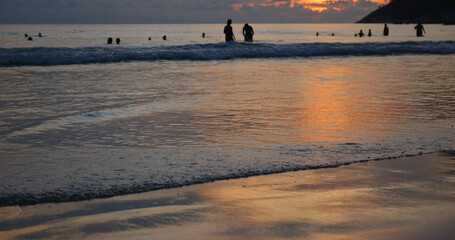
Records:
x=404, y=198
x=30, y=200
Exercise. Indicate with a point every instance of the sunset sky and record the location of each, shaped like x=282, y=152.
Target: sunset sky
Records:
x=184, y=11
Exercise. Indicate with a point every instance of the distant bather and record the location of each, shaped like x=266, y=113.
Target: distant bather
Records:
x=386, y=30
x=109, y=40
x=419, y=30
x=361, y=34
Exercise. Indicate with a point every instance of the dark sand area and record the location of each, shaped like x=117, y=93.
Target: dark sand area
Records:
x=407, y=198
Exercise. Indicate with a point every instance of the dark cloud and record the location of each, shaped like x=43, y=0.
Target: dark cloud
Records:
x=180, y=11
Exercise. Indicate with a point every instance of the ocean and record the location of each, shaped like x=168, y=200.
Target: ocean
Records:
x=81, y=119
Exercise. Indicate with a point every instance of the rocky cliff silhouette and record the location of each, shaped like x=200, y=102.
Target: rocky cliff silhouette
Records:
x=413, y=11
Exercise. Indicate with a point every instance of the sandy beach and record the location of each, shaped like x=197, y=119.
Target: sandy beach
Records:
x=406, y=198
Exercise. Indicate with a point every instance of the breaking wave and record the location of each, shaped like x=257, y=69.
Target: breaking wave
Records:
x=45, y=56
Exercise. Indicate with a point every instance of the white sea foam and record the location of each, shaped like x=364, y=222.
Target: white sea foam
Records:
x=45, y=56
x=95, y=173
x=91, y=117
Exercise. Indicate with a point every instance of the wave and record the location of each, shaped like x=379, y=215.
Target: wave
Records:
x=45, y=56
x=123, y=181
x=95, y=116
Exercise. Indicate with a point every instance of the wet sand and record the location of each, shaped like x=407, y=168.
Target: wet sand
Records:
x=407, y=198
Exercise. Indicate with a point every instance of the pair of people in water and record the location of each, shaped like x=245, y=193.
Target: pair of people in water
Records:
x=248, y=32
x=361, y=34
x=109, y=40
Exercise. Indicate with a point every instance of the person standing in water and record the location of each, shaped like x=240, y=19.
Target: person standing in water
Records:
x=386, y=30
x=419, y=28
x=229, y=34
x=360, y=34
x=248, y=33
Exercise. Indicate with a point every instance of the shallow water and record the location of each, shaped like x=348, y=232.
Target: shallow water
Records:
x=12, y=36
x=79, y=131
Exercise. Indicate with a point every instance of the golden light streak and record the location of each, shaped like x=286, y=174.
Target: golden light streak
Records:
x=316, y=9
x=302, y=2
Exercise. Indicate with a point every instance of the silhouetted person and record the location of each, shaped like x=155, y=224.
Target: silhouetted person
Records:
x=333, y=34
x=150, y=38
x=39, y=35
x=229, y=34
x=361, y=34
x=109, y=40
x=248, y=32
x=419, y=28
x=117, y=40
x=386, y=30
x=317, y=34
x=369, y=33
x=164, y=37
x=30, y=38
x=355, y=35
x=203, y=35
x=26, y=35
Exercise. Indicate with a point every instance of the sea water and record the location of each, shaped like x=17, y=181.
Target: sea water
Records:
x=81, y=119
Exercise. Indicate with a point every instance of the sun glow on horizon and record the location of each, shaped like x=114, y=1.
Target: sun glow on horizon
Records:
x=313, y=5
x=316, y=9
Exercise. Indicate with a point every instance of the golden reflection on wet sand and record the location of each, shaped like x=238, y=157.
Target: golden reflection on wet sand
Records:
x=363, y=201
x=409, y=198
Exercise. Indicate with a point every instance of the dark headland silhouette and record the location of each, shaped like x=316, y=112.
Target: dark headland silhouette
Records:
x=413, y=11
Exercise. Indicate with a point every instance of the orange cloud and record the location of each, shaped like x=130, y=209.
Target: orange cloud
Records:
x=313, y=5
x=279, y=3
x=237, y=6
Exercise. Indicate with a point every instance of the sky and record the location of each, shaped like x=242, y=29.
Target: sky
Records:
x=185, y=11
